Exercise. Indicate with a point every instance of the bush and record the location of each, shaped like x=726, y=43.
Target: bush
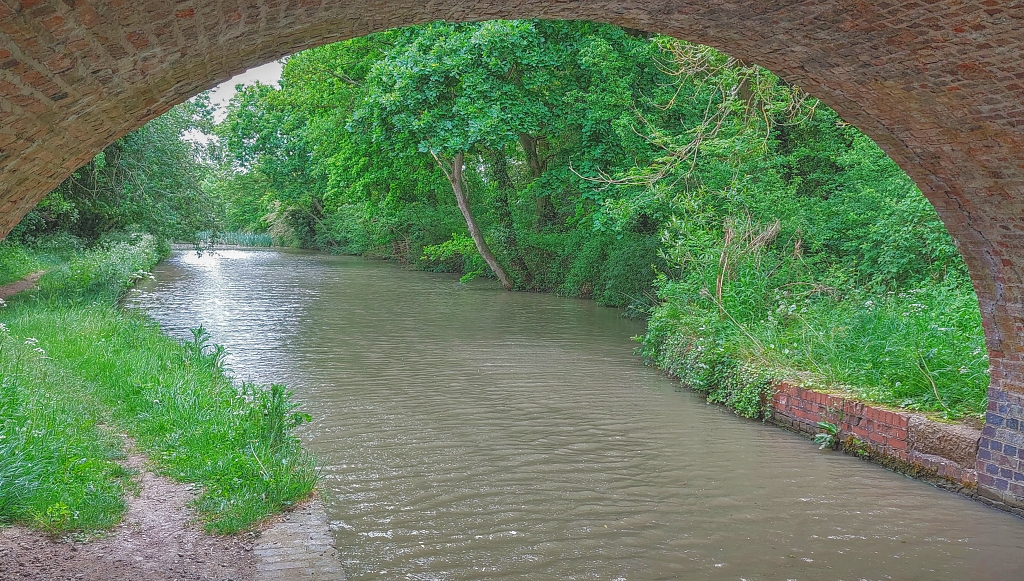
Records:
x=103, y=273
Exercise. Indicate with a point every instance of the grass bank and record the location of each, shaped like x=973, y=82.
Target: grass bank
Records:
x=749, y=313
x=18, y=261
x=78, y=370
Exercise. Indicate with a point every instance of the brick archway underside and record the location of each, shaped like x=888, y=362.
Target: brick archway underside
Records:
x=938, y=84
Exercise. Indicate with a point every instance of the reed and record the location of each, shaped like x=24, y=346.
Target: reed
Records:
x=235, y=239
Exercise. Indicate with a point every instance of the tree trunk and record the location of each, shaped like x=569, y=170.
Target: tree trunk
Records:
x=454, y=174
x=545, y=210
x=499, y=170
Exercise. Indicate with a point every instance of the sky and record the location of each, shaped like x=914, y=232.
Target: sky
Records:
x=267, y=74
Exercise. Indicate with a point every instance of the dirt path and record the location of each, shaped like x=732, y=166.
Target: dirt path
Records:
x=156, y=541
x=17, y=286
x=159, y=540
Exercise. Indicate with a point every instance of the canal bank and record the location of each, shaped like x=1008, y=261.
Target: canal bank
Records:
x=75, y=366
x=913, y=444
x=125, y=450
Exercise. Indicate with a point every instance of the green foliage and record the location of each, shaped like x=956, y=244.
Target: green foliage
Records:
x=454, y=87
x=828, y=437
x=149, y=180
x=628, y=273
x=707, y=366
x=344, y=145
x=461, y=248
x=242, y=199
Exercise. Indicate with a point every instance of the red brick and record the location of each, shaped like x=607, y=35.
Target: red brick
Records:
x=137, y=39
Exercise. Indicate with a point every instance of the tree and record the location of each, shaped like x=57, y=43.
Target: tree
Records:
x=150, y=180
x=458, y=90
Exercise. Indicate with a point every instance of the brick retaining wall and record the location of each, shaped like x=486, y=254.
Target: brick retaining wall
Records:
x=909, y=443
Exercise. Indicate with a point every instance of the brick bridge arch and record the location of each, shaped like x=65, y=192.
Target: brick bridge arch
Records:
x=938, y=84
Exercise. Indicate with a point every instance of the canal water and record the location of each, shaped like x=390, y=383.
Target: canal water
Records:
x=470, y=433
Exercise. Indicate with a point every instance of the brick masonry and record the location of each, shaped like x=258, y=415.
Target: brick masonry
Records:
x=910, y=443
x=938, y=84
x=1001, y=450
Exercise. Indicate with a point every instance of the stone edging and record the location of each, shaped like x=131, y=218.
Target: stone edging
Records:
x=298, y=545
x=944, y=454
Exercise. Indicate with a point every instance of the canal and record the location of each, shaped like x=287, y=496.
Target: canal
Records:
x=470, y=433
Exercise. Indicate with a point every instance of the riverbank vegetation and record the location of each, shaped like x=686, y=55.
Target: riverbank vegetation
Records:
x=79, y=374
x=250, y=239
x=761, y=236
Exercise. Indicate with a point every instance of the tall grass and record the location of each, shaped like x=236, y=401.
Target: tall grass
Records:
x=58, y=469
x=18, y=261
x=921, y=350
x=103, y=273
x=746, y=312
x=175, y=399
